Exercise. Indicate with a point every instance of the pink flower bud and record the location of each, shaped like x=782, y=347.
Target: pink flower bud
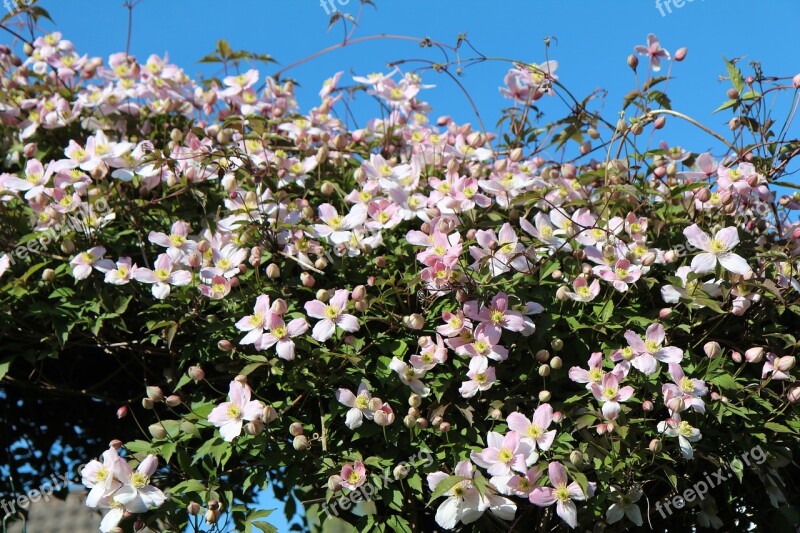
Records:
x=633, y=61
x=122, y=412
x=796, y=81
x=29, y=151
x=359, y=293
x=193, y=508
x=601, y=428
x=665, y=313
x=736, y=356
x=680, y=55
x=225, y=345
x=295, y=429
x=173, y=400
x=155, y=393
x=301, y=443
x=647, y=405
x=269, y=414
x=558, y=417
x=279, y=306
x=793, y=396
x=196, y=373
x=785, y=363
x=415, y=321
x=754, y=355
x=733, y=94
x=655, y=445
x=307, y=280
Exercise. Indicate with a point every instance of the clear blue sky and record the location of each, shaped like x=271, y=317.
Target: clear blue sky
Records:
x=591, y=41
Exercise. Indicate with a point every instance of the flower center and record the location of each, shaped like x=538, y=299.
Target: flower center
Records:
x=562, y=494
x=622, y=273
x=362, y=402
x=256, y=319
x=685, y=429
x=234, y=411
x=353, y=478
x=687, y=385
x=534, y=431
x=481, y=346
x=627, y=353
x=279, y=332
x=481, y=378
x=717, y=247
x=102, y=474
x=651, y=346
x=595, y=375
x=161, y=274
x=497, y=316
x=610, y=393
x=331, y=312
x=139, y=480
x=505, y=455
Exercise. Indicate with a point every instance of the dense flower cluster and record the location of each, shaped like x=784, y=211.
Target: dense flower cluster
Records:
x=350, y=246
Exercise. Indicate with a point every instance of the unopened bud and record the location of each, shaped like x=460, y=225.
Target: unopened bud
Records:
x=193, y=508
x=359, y=293
x=157, y=430
x=556, y=363
x=655, y=446
x=122, y=412
x=212, y=517
x=785, y=363
x=633, y=62
x=268, y=414
x=793, y=395
x=300, y=443
x=327, y=188
x=415, y=400
x=796, y=81
x=544, y=396
x=415, y=321
x=173, y=400
x=542, y=356
x=576, y=458
x=422, y=422
x=147, y=403
x=295, y=429
x=680, y=55
x=660, y=122
x=665, y=313
x=561, y=293
x=196, y=373
x=754, y=355
x=647, y=405
x=254, y=428
x=225, y=345
x=48, y=275
x=736, y=356
x=410, y=421
x=444, y=427
x=733, y=94
x=544, y=370
x=307, y=280
x=703, y=195
x=712, y=349
x=273, y=271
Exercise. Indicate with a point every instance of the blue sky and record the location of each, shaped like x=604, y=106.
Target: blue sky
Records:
x=591, y=40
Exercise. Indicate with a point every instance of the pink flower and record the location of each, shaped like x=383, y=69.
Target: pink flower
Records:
x=103, y=478
x=83, y=263
x=485, y=344
x=123, y=273
x=432, y=354
x=410, y=376
x=716, y=249
x=497, y=316
x=217, y=290
x=137, y=495
x=592, y=376
x=229, y=416
x=163, y=276
x=336, y=228
x=687, y=389
x=331, y=315
x=523, y=485
x=481, y=377
x=177, y=239
x=654, y=51
x=609, y=394
x=583, y=292
x=674, y=427
x=256, y=323
x=500, y=254
x=534, y=432
x=454, y=324
x=359, y=405
x=563, y=495
x=646, y=352
x=353, y=476
x=621, y=275
x=779, y=367
x=280, y=335
x=504, y=454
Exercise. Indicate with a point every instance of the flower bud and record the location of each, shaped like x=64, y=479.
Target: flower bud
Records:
x=409, y=421
x=660, y=122
x=273, y=271
x=637, y=128
x=147, y=403
x=557, y=274
x=703, y=195
x=359, y=293
x=225, y=345
x=655, y=445
x=733, y=94
x=401, y=471
x=254, y=428
x=335, y=483
x=295, y=429
x=601, y=428
x=576, y=458
x=633, y=61
x=544, y=396
x=415, y=321
x=712, y=349
x=670, y=256
x=383, y=418
x=67, y=246
x=173, y=400
x=415, y=400
x=736, y=356
x=193, y=508
x=323, y=295
x=444, y=427
x=785, y=363
x=422, y=422
x=196, y=373
x=307, y=280
x=558, y=416
x=754, y=355
x=327, y=188
x=544, y=370
x=561, y=293
x=157, y=430
x=542, y=356
x=557, y=344
x=122, y=412
x=48, y=275
x=676, y=404
x=268, y=414
x=665, y=313
x=793, y=396
x=214, y=505
x=212, y=517
x=796, y=81
x=680, y=55
x=301, y=443
x=647, y=406
x=556, y=363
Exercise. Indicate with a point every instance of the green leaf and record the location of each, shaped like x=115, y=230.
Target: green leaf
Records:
x=735, y=75
x=444, y=486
